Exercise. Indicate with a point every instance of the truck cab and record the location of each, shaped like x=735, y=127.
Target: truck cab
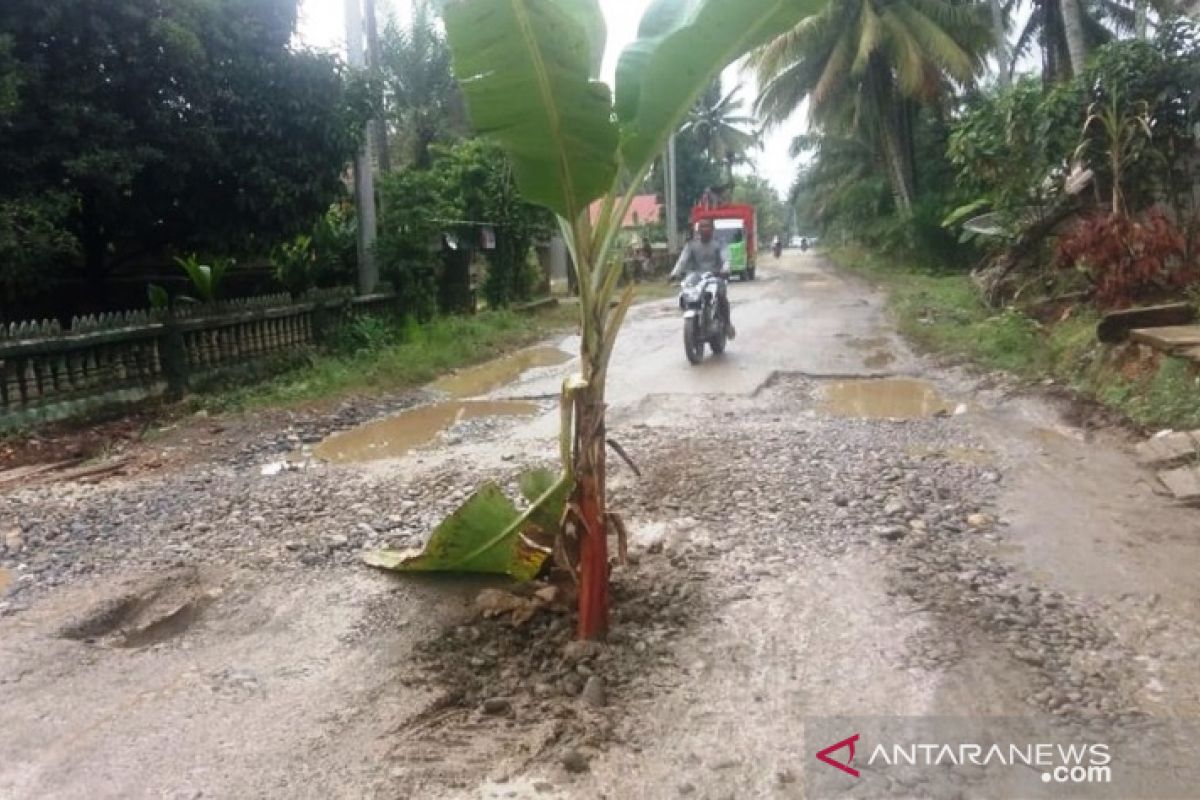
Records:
x=734, y=228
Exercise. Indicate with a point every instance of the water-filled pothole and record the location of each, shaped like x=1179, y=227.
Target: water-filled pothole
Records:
x=396, y=436
x=889, y=398
x=484, y=378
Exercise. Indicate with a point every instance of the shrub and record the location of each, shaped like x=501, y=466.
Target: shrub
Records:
x=1127, y=258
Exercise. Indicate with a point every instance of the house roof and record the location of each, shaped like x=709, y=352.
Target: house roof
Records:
x=644, y=210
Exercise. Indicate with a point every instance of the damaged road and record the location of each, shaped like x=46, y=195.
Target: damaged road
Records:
x=826, y=525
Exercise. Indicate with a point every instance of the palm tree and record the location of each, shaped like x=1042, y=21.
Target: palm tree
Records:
x=718, y=125
x=423, y=101
x=1067, y=30
x=865, y=65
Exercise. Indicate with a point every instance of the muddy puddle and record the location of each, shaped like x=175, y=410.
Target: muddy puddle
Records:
x=5, y=579
x=892, y=398
x=479, y=380
x=396, y=436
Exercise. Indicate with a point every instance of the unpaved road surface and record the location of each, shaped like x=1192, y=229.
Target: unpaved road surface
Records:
x=826, y=525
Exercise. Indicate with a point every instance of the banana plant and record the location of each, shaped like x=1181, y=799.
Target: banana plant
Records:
x=529, y=74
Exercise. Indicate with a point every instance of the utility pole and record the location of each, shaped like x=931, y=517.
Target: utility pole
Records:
x=1003, y=63
x=373, y=64
x=671, y=198
x=364, y=183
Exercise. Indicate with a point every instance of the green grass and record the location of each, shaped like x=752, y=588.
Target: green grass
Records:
x=374, y=356
x=943, y=314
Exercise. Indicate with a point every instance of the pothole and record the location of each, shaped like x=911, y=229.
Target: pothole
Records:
x=142, y=617
x=878, y=360
x=888, y=398
x=872, y=343
x=485, y=378
x=396, y=436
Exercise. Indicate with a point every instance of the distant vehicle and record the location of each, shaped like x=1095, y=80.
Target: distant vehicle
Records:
x=795, y=241
x=734, y=224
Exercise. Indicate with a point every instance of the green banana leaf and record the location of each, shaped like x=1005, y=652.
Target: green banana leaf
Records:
x=547, y=494
x=681, y=46
x=489, y=535
x=526, y=68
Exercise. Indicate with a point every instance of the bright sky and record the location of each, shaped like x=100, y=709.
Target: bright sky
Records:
x=322, y=24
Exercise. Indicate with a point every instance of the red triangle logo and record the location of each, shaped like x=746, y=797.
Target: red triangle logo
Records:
x=844, y=766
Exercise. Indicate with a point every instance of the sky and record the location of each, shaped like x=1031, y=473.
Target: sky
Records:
x=322, y=24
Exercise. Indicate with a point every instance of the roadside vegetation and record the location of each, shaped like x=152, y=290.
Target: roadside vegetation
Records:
x=374, y=355
x=944, y=314
x=1010, y=186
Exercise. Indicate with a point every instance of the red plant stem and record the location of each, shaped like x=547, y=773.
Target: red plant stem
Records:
x=589, y=499
x=593, y=567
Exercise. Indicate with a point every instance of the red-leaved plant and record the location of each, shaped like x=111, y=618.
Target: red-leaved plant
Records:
x=1127, y=258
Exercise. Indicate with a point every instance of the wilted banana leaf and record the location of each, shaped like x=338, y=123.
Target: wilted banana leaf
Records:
x=487, y=534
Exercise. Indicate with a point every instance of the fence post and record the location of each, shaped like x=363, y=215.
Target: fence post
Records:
x=173, y=355
x=322, y=322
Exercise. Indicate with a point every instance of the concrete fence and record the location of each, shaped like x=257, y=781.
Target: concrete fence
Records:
x=47, y=372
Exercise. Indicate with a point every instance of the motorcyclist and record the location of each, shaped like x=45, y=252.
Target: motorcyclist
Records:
x=701, y=255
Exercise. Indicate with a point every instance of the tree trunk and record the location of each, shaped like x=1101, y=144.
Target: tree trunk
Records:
x=1003, y=66
x=1072, y=19
x=589, y=455
x=893, y=155
x=1052, y=69
x=382, y=154
x=891, y=134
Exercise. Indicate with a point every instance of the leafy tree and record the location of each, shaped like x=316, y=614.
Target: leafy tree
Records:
x=423, y=103
x=1012, y=148
x=410, y=242
x=190, y=125
x=335, y=246
x=466, y=185
x=865, y=66
x=718, y=126
x=34, y=243
x=694, y=173
x=481, y=174
x=839, y=191
x=9, y=80
x=772, y=214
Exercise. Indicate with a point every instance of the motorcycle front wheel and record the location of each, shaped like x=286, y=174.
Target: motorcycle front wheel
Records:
x=717, y=343
x=693, y=342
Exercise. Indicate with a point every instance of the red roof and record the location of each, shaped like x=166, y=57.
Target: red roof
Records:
x=644, y=210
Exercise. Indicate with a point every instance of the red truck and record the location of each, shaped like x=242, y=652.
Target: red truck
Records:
x=728, y=221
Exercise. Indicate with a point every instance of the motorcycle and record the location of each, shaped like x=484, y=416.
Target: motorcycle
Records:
x=701, y=323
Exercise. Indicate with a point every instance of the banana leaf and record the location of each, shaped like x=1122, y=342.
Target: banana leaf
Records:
x=681, y=46
x=527, y=70
x=487, y=534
